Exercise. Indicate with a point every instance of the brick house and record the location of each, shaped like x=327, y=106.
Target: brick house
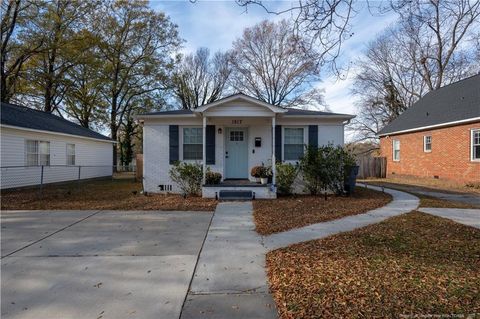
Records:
x=439, y=136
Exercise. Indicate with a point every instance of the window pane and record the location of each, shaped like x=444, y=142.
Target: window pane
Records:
x=44, y=159
x=476, y=152
x=293, y=135
x=32, y=159
x=428, y=143
x=293, y=151
x=396, y=150
x=70, y=149
x=236, y=136
x=476, y=137
x=192, y=151
x=192, y=135
x=32, y=147
x=70, y=159
x=44, y=147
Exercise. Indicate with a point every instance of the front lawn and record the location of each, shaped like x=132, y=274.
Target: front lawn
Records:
x=116, y=194
x=410, y=266
x=290, y=212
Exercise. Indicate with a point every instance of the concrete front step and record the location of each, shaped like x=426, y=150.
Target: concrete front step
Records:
x=235, y=195
x=238, y=192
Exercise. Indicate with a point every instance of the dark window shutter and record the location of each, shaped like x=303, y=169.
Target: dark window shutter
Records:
x=210, y=144
x=278, y=143
x=313, y=135
x=173, y=143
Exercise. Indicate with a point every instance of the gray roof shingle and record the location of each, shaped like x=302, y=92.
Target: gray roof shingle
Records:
x=20, y=116
x=454, y=102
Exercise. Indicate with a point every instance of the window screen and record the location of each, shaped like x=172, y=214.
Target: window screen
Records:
x=192, y=143
x=293, y=144
x=70, y=154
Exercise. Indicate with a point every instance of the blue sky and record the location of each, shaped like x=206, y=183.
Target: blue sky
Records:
x=216, y=24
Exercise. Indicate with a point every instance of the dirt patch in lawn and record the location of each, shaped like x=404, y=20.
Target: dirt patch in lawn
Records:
x=286, y=213
x=413, y=265
x=117, y=194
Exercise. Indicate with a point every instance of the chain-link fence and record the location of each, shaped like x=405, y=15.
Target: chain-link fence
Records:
x=27, y=176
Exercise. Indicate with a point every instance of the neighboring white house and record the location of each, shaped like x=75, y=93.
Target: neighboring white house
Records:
x=41, y=147
x=233, y=134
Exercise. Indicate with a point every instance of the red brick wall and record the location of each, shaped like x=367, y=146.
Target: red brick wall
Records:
x=449, y=158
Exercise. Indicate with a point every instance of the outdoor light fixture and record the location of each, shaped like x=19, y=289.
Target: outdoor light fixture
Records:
x=219, y=130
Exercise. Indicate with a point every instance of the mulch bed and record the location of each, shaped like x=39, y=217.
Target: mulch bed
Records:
x=120, y=194
x=286, y=213
x=410, y=266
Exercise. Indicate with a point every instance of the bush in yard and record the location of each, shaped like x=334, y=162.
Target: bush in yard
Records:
x=212, y=178
x=324, y=168
x=188, y=177
x=286, y=174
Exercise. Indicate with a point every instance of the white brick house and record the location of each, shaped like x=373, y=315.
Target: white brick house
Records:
x=233, y=135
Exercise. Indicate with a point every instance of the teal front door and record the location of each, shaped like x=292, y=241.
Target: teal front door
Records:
x=236, y=153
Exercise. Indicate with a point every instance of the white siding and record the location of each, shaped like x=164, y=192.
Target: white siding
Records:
x=330, y=134
x=156, y=143
x=156, y=157
x=96, y=154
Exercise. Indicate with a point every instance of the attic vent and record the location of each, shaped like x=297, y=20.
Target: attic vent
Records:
x=165, y=187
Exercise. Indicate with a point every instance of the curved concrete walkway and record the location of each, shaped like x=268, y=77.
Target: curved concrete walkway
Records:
x=401, y=203
x=469, y=217
x=230, y=279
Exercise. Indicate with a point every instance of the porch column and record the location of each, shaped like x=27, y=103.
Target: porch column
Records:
x=273, y=152
x=204, y=149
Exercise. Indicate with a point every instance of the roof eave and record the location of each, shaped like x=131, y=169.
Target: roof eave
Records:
x=161, y=116
x=422, y=128
x=106, y=140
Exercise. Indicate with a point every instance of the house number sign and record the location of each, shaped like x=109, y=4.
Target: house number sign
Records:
x=237, y=122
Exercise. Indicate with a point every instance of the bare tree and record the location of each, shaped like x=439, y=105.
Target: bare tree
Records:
x=201, y=79
x=14, y=52
x=425, y=50
x=273, y=64
x=325, y=23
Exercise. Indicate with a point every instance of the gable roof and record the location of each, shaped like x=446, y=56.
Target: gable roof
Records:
x=27, y=118
x=456, y=102
x=241, y=96
x=276, y=109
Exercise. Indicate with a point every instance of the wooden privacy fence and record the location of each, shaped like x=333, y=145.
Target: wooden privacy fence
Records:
x=372, y=167
x=139, y=165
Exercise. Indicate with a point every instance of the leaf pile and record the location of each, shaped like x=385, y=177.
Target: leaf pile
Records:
x=290, y=212
x=411, y=265
x=116, y=194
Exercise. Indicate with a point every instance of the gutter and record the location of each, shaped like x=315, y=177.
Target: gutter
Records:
x=422, y=128
x=57, y=133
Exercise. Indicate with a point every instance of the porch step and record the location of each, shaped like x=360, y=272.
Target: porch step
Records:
x=235, y=195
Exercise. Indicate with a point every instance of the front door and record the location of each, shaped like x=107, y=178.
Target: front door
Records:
x=236, y=153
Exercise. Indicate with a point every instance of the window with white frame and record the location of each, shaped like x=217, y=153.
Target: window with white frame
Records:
x=192, y=143
x=293, y=145
x=396, y=150
x=70, y=154
x=427, y=143
x=37, y=153
x=475, y=145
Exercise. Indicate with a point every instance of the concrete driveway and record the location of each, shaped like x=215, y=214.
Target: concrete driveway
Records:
x=98, y=264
